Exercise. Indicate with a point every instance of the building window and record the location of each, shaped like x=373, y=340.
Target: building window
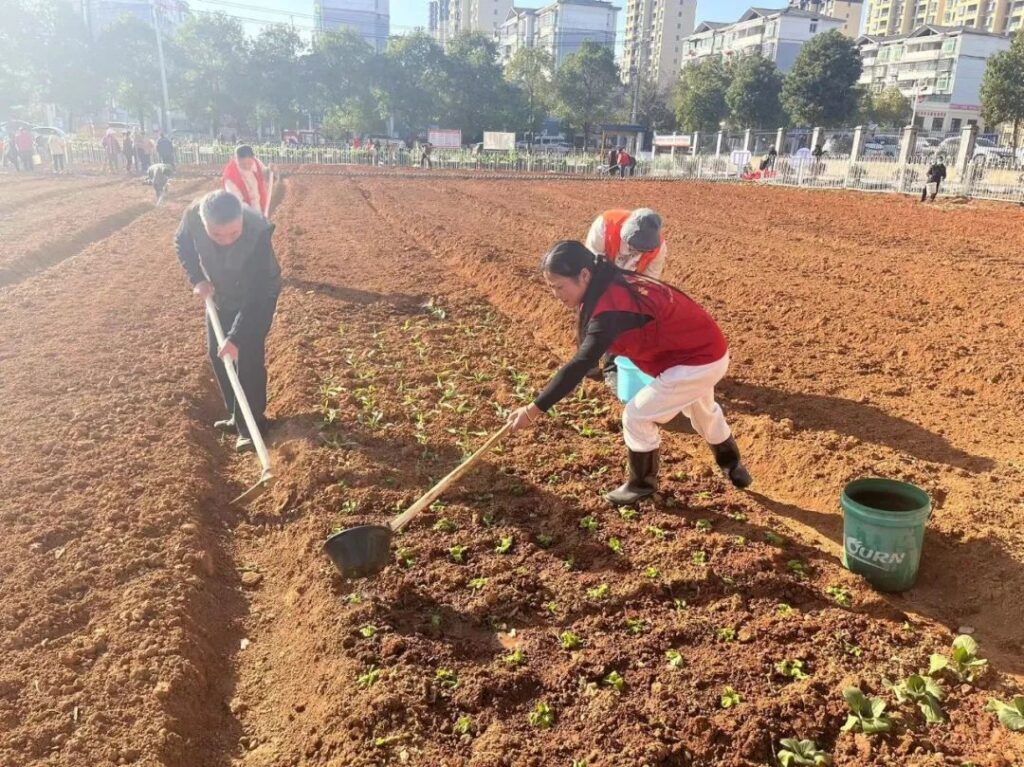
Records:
x=955, y=124
x=814, y=27
x=936, y=123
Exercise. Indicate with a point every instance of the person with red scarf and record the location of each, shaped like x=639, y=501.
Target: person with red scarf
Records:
x=666, y=334
x=243, y=177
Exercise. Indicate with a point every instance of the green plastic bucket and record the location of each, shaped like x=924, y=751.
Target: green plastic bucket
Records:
x=883, y=531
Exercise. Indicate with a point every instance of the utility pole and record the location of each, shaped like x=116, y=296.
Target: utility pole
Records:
x=165, y=122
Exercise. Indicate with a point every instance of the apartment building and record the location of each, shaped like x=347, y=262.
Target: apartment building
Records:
x=901, y=17
x=370, y=18
x=940, y=66
x=450, y=17
x=776, y=34
x=850, y=11
x=561, y=28
x=654, y=35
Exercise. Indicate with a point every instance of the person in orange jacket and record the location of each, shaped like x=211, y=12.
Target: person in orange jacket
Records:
x=631, y=240
x=243, y=177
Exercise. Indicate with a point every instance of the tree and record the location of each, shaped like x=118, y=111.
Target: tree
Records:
x=754, y=95
x=700, y=95
x=211, y=82
x=587, y=87
x=69, y=80
x=413, y=80
x=347, y=83
x=274, y=74
x=136, y=86
x=653, y=109
x=888, y=109
x=1002, y=88
x=820, y=89
x=530, y=71
x=477, y=96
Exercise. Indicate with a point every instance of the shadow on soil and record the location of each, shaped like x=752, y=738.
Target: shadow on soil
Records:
x=961, y=582
x=355, y=296
x=868, y=423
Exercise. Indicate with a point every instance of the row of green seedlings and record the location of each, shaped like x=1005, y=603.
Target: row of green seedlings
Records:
x=924, y=689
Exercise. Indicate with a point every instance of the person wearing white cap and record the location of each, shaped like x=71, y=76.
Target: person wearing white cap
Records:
x=631, y=240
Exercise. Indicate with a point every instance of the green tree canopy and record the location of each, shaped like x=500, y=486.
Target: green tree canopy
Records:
x=211, y=79
x=588, y=89
x=136, y=86
x=653, y=108
x=530, y=70
x=820, y=89
x=888, y=109
x=700, y=95
x=754, y=95
x=1002, y=88
x=274, y=74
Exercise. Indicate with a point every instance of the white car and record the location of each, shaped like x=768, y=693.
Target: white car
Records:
x=882, y=146
x=984, y=151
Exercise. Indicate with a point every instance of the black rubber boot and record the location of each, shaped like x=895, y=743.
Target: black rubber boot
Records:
x=727, y=456
x=643, y=479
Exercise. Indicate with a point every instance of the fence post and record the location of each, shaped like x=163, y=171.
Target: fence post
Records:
x=856, y=152
x=780, y=141
x=718, y=145
x=908, y=143
x=816, y=138
x=965, y=156
x=748, y=140
x=695, y=142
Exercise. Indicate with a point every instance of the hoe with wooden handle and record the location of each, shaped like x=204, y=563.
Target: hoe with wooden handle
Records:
x=365, y=550
x=267, y=478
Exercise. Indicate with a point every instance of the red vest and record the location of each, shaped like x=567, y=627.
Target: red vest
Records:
x=233, y=174
x=681, y=333
x=613, y=221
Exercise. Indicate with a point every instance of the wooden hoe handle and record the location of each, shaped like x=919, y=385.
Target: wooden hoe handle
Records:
x=431, y=495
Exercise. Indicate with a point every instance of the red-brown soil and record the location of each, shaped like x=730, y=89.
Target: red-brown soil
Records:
x=144, y=620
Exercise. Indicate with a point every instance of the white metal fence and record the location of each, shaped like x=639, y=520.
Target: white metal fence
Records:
x=870, y=174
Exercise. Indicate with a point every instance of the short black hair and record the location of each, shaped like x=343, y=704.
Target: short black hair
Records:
x=244, y=151
x=219, y=208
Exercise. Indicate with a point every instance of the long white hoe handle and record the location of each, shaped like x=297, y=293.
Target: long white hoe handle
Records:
x=236, y=385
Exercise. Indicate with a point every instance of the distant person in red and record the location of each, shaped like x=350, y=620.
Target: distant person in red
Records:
x=243, y=177
x=625, y=162
x=26, y=148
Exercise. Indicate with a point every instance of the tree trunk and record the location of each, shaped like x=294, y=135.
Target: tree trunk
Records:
x=1016, y=128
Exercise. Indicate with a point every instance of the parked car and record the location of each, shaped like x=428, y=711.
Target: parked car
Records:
x=882, y=146
x=985, y=151
x=925, y=144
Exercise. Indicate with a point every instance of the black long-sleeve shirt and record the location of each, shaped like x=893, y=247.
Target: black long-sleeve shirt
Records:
x=936, y=173
x=602, y=331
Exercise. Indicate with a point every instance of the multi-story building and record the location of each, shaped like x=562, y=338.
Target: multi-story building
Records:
x=450, y=17
x=849, y=11
x=776, y=34
x=370, y=18
x=655, y=30
x=941, y=67
x=100, y=14
x=901, y=17
x=560, y=28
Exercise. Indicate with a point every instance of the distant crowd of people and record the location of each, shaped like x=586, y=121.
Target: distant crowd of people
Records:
x=24, y=152
x=136, y=151
x=620, y=162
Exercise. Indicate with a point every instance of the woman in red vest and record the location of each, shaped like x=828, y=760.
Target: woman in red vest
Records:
x=630, y=239
x=243, y=177
x=667, y=335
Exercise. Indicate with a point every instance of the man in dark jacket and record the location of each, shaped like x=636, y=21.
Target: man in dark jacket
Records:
x=936, y=175
x=226, y=251
x=165, y=149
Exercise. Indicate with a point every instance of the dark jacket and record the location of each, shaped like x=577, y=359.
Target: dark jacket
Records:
x=244, y=274
x=937, y=173
x=165, y=150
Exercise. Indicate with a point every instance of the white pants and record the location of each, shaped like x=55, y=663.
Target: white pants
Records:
x=685, y=389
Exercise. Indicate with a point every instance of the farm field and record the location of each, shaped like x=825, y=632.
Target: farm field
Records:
x=144, y=620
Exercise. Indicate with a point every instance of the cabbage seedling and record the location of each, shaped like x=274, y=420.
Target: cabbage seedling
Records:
x=447, y=678
x=963, y=662
x=674, y=658
x=569, y=640
x=599, y=592
x=542, y=717
x=802, y=753
x=730, y=698
x=458, y=554
x=867, y=714
x=505, y=545
x=922, y=690
x=614, y=679
x=1011, y=714
x=793, y=669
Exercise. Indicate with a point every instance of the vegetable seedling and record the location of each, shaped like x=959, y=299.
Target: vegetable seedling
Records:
x=515, y=658
x=922, y=690
x=477, y=583
x=405, y=558
x=657, y=532
x=867, y=714
x=551, y=607
x=651, y=572
x=445, y=525
x=963, y=662
x=616, y=545
x=569, y=640
x=447, y=678
x=599, y=592
x=544, y=540
x=505, y=545
x=542, y=717
x=730, y=698
x=840, y=595
x=727, y=634
x=794, y=669
x=628, y=514
x=589, y=524
x=700, y=557
x=367, y=631
x=458, y=554
x=614, y=679
x=802, y=753
x=636, y=625
x=703, y=525
x=798, y=568
x=464, y=725
x=773, y=539
x=674, y=658
x=369, y=679
x=1011, y=715
x=783, y=610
